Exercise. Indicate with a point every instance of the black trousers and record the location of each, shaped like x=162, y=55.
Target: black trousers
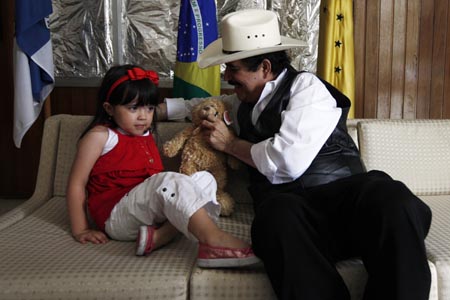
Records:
x=301, y=234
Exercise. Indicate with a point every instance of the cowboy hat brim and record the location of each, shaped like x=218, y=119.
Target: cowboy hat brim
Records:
x=214, y=54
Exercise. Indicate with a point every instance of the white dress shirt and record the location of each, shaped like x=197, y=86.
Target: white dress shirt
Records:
x=306, y=124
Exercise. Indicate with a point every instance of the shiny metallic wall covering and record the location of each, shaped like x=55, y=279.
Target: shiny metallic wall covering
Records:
x=90, y=36
x=82, y=37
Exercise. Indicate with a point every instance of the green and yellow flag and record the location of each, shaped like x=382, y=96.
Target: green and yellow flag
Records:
x=197, y=28
x=336, y=61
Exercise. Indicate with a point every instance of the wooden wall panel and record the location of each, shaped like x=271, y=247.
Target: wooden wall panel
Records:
x=385, y=39
x=371, y=68
x=411, y=59
x=446, y=108
x=405, y=47
x=82, y=100
x=438, y=62
x=397, y=93
x=425, y=58
x=74, y=100
x=360, y=49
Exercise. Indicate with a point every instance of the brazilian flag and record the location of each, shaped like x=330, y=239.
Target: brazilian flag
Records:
x=197, y=28
x=336, y=61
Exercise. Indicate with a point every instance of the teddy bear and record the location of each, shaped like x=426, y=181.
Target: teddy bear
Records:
x=198, y=155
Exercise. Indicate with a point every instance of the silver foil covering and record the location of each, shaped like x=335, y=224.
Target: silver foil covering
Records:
x=90, y=36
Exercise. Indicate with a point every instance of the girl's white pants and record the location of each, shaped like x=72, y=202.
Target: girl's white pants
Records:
x=164, y=196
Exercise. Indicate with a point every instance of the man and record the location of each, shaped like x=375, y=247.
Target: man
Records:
x=314, y=203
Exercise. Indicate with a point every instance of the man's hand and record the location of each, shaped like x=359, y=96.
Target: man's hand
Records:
x=90, y=235
x=217, y=134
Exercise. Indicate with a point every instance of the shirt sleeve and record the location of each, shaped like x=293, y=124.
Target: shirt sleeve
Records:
x=306, y=124
x=176, y=109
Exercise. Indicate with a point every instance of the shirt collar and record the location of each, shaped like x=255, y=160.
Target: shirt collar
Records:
x=267, y=93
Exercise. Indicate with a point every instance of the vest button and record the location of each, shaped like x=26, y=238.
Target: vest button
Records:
x=151, y=160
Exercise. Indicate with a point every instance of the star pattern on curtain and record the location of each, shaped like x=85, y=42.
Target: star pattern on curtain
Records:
x=336, y=49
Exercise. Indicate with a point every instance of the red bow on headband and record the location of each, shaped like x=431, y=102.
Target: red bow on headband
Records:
x=134, y=74
x=138, y=74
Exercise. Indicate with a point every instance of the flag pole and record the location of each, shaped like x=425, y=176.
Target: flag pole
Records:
x=47, y=108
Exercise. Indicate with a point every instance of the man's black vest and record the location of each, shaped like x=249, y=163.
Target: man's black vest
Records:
x=339, y=156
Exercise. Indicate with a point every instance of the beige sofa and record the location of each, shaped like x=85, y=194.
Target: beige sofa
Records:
x=40, y=259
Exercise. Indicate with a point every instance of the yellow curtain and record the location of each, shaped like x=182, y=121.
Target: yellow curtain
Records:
x=336, y=61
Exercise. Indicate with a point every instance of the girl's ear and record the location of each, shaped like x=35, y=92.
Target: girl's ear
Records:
x=108, y=108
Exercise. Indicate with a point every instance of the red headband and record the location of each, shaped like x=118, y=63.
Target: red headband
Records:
x=134, y=74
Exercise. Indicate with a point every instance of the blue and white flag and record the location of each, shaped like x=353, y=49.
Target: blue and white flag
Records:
x=33, y=64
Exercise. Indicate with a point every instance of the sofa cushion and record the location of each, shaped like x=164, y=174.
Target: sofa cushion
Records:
x=253, y=284
x=40, y=260
x=438, y=241
x=416, y=152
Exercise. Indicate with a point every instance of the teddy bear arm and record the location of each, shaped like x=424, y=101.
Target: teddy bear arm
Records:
x=188, y=168
x=173, y=146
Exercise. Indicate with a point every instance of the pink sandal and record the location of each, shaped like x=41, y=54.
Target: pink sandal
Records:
x=222, y=257
x=144, y=241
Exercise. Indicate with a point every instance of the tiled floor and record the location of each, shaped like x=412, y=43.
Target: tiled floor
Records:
x=8, y=204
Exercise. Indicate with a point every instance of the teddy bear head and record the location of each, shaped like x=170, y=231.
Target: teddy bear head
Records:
x=208, y=107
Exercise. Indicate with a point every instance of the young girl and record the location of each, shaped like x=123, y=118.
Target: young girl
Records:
x=128, y=195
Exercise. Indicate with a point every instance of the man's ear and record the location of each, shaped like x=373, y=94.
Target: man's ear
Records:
x=266, y=66
x=108, y=108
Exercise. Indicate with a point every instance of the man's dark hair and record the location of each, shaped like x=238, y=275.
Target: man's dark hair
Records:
x=279, y=60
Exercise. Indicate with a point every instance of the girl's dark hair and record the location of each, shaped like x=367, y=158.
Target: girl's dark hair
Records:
x=279, y=60
x=144, y=89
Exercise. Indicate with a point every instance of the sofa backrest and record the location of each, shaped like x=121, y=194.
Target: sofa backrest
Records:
x=416, y=152
x=70, y=128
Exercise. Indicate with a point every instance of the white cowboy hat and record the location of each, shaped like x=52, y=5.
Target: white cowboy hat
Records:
x=246, y=33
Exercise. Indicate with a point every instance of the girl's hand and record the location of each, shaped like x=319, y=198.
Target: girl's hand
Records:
x=93, y=236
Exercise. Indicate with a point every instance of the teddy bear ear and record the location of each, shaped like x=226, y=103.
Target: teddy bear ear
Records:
x=227, y=118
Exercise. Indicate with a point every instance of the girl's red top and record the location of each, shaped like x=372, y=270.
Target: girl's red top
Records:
x=115, y=173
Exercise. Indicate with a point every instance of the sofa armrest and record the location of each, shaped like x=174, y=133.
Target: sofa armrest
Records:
x=58, y=148
x=45, y=177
